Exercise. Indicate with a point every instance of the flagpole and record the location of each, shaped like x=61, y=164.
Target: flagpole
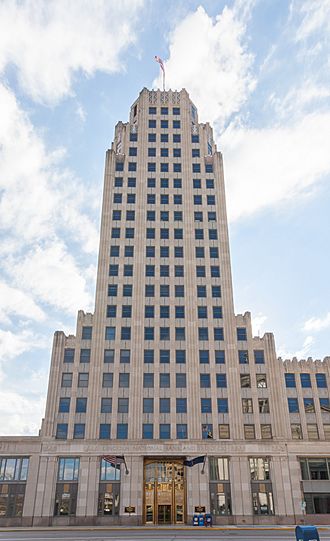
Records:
x=164, y=80
x=203, y=468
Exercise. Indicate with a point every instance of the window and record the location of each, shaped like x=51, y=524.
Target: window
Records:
x=195, y=138
x=148, y=405
x=151, y=198
x=131, y=198
x=125, y=333
x=115, y=233
x=151, y=137
x=196, y=168
x=111, y=310
x=216, y=291
x=180, y=381
x=107, y=380
x=204, y=356
x=164, y=233
x=203, y=333
x=259, y=468
x=130, y=215
x=164, y=431
x=208, y=168
x=131, y=182
x=198, y=217
x=305, y=380
x=164, y=380
x=123, y=405
x=247, y=405
x=164, y=405
x=218, y=333
x=164, y=290
x=224, y=432
x=61, y=431
x=309, y=405
x=249, y=432
x=178, y=271
x=243, y=356
x=321, y=381
x=151, y=167
x=241, y=333
x=176, y=124
x=164, y=110
x=150, y=233
x=148, y=356
x=205, y=381
x=207, y=431
x=202, y=312
x=78, y=431
x=113, y=270
x=64, y=405
x=152, y=110
x=106, y=405
x=180, y=356
x=178, y=251
x=199, y=235
x=245, y=381
x=164, y=215
x=114, y=251
x=127, y=290
x=177, y=167
x=259, y=357
x=177, y=183
x=206, y=406
x=112, y=290
x=126, y=310
x=222, y=405
x=179, y=291
x=118, y=182
x=181, y=431
x=110, y=333
x=117, y=197
x=210, y=185
x=164, y=356
x=177, y=199
x=125, y=356
x=263, y=404
x=149, y=291
x=312, y=432
x=149, y=311
x=132, y=151
x=314, y=469
x=119, y=166
x=164, y=312
x=296, y=431
x=210, y=199
x=217, y=312
x=105, y=431
x=66, y=379
x=148, y=380
x=152, y=123
x=149, y=333
x=122, y=431
x=68, y=355
x=290, y=380
x=219, y=356
x=325, y=404
x=83, y=379
x=178, y=233
x=164, y=124
x=81, y=405
x=164, y=333
x=181, y=405
x=86, y=333
x=293, y=405
x=197, y=199
x=176, y=138
x=176, y=152
x=129, y=251
x=133, y=137
x=150, y=251
x=214, y=253
x=109, y=355
x=164, y=199
x=152, y=152
x=215, y=271
x=164, y=251
x=211, y=216
x=197, y=184
x=129, y=233
x=261, y=381
x=195, y=153
x=200, y=252
x=164, y=137
x=213, y=234
x=147, y=431
x=176, y=110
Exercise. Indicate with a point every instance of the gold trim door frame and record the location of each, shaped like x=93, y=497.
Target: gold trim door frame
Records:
x=164, y=491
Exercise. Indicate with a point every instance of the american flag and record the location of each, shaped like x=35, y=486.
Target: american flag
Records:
x=112, y=459
x=160, y=62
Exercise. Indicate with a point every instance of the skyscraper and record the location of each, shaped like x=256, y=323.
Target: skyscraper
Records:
x=163, y=373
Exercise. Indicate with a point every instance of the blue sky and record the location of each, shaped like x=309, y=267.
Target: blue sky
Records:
x=258, y=70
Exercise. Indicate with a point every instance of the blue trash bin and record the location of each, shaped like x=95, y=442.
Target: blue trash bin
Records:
x=307, y=533
x=201, y=520
x=208, y=519
x=195, y=520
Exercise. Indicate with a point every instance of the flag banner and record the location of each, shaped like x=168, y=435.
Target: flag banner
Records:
x=160, y=62
x=194, y=461
x=113, y=459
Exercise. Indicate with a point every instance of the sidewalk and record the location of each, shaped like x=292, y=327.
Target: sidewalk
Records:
x=250, y=527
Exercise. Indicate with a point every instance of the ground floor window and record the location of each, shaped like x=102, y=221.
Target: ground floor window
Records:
x=108, y=504
x=11, y=499
x=262, y=498
x=220, y=500
x=66, y=499
x=317, y=503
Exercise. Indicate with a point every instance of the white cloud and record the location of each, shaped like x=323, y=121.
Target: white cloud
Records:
x=16, y=302
x=57, y=39
x=51, y=274
x=265, y=167
x=20, y=415
x=14, y=344
x=315, y=17
x=209, y=59
x=258, y=323
x=317, y=323
x=302, y=353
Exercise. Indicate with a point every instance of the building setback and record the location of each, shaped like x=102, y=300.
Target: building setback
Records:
x=164, y=371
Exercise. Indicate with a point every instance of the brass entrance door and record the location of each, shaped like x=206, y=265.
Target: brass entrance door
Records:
x=164, y=492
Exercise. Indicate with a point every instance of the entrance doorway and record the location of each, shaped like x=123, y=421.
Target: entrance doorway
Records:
x=164, y=491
